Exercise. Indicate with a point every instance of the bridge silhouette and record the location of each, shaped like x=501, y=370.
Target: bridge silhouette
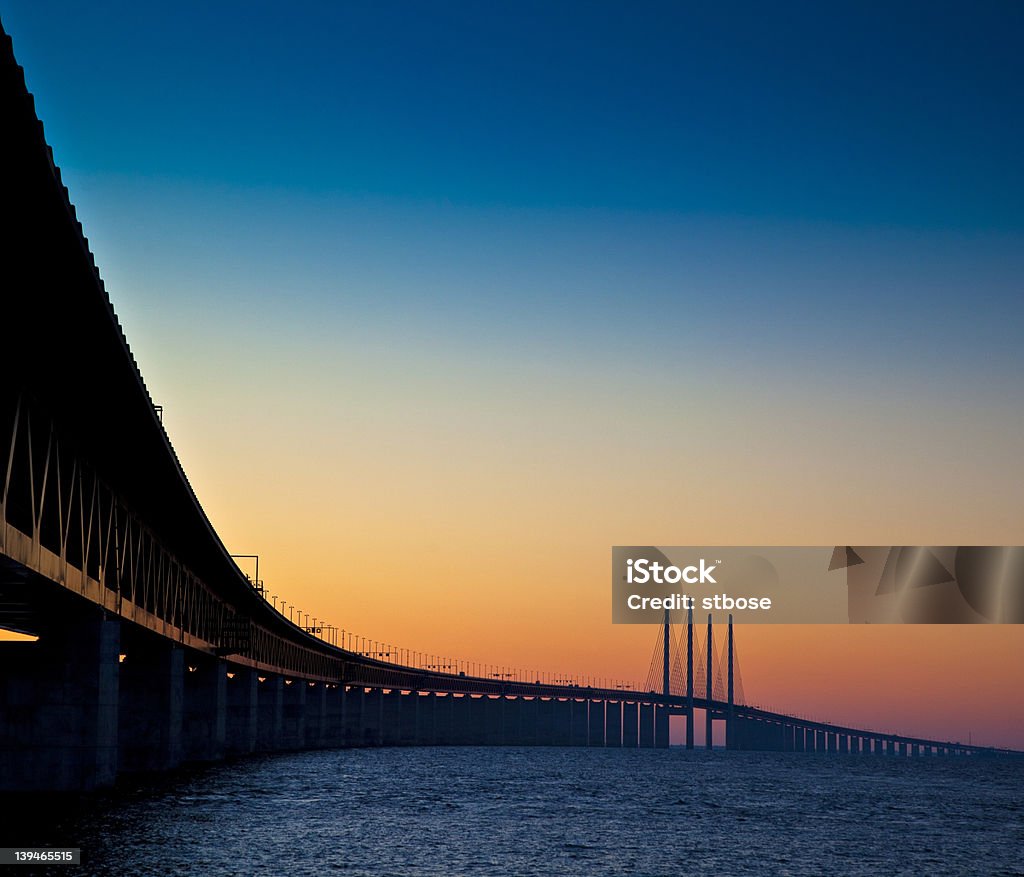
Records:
x=154, y=649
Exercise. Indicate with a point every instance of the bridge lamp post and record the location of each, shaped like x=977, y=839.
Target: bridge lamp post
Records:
x=274, y=598
x=255, y=557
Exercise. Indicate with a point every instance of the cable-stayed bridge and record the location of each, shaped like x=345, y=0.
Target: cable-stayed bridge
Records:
x=154, y=649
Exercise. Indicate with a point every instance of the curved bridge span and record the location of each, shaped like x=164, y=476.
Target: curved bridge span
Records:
x=153, y=648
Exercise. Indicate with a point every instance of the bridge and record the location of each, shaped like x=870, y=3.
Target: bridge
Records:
x=154, y=649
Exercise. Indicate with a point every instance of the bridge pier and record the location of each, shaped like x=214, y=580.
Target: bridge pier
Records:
x=442, y=719
x=563, y=722
x=391, y=718
x=150, y=705
x=242, y=712
x=613, y=724
x=578, y=711
x=59, y=707
x=630, y=729
x=532, y=720
x=512, y=721
x=352, y=723
x=205, y=710
x=743, y=735
x=596, y=720
x=372, y=723
x=293, y=715
x=660, y=726
x=545, y=721
x=646, y=725
x=270, y=704
x=460, y=720
x=493, y=724
x=405, y=726
x=424, y=713
x=333, y=729
x=316, y=715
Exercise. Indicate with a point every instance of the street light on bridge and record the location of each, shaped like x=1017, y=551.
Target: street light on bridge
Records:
x=256, y=575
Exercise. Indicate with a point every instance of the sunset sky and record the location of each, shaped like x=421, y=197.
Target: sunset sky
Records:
x=442, y=301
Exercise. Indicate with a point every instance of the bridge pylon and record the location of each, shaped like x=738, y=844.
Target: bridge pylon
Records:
x=689, y=678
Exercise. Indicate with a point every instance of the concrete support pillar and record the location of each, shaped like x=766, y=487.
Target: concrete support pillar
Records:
x=545, y=721
x=596, y=737
x=391, y=718
x=205, y=710
x=242, y=715
x=660, y=726
x=630, y=726
x=529, y=718
x=444, y=717
x=334, y=716
x=316, y=715
x=408, y=704
x=152, y=691
x=740, y=734
x=493, y=720
x=293, y=724
x=270, y=729
x=461, y=734
x=440, y=719
x=563, y=723
x=580, y=731
x=512, y=721
x=373, y=717
x=478, y=711
x=646, y=725
x=59, y=708
x=613, y=724
x=426, y=718
x=354, y=733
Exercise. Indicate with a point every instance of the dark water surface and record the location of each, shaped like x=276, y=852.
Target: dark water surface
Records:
x=539, y=811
